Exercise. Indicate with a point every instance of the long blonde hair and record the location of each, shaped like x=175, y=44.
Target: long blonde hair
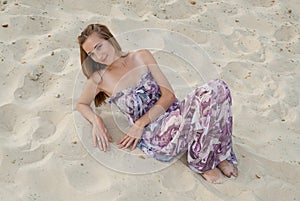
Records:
x=89, y=66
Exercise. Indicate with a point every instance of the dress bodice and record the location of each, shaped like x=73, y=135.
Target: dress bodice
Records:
x=135, y=101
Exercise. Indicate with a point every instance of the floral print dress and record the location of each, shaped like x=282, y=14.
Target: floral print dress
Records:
x=200, y=124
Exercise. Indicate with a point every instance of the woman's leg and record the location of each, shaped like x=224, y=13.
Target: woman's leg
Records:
x=210, y=153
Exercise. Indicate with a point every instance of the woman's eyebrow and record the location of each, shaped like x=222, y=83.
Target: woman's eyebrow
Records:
x=89, y=52
x=97, y=45
x=93, y=48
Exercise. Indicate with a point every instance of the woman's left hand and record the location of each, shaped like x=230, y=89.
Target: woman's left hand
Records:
x=133, y=136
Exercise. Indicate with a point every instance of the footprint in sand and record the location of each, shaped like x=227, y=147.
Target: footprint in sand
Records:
x=249, y=44
x=86, y=177
x=244, y=42
x=170, y=178
x=45, y=130
x=8, y=113
x=286, y=33
x=1, y=157
x=240, y=75
x=166, y=11
x=262, y=3
x=32, y=87
x=8, y=194
x=31, y=25
x=56, y=61
x=53, y=116
x=18, y=49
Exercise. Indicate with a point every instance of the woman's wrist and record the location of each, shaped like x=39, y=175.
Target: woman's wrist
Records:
x=96, y=119
x=140, y=124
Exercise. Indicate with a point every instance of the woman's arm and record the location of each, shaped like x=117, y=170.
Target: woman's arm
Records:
x=167, y=94
x=99, y=132
x=144, y=57
x=87, y=96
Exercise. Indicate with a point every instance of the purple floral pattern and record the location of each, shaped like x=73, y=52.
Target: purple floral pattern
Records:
x=200, y=124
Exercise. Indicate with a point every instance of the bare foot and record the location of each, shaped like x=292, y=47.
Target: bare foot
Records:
x=214, y=176
x=228, y=168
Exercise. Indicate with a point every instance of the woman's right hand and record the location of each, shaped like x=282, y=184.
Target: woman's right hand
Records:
x=100, y=134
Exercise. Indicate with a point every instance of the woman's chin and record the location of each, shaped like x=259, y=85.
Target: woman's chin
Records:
x=102, y=63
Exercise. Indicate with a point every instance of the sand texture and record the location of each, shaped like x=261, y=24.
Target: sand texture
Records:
x=45, y=145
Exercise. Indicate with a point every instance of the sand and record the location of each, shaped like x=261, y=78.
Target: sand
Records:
x=45, y=146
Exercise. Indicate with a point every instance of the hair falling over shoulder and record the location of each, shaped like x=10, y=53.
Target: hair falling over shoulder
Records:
x=89, y=66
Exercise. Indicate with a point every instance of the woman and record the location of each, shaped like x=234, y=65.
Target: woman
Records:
x=161, y=125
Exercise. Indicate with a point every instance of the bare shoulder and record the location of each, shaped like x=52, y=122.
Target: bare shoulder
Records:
x=96, y=77
x=143, y=56
x=142, y=52
x=95, y=82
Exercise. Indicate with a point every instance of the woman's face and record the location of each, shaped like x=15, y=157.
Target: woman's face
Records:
x=99, y=50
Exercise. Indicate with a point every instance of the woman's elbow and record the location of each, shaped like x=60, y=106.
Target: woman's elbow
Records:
x=172, y=97
x=78, y=106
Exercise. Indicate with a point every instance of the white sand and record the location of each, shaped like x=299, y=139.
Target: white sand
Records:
x=253, y=45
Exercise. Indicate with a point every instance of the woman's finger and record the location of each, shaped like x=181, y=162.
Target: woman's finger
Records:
x=99, y=143
x=134, y=145
x=94, y=140
x=109, y=138
x=124, y=142
x=103, y=141
x=128, y=143
x=124, y=138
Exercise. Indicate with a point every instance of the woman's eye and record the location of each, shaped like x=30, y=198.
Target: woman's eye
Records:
x=98, y=47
